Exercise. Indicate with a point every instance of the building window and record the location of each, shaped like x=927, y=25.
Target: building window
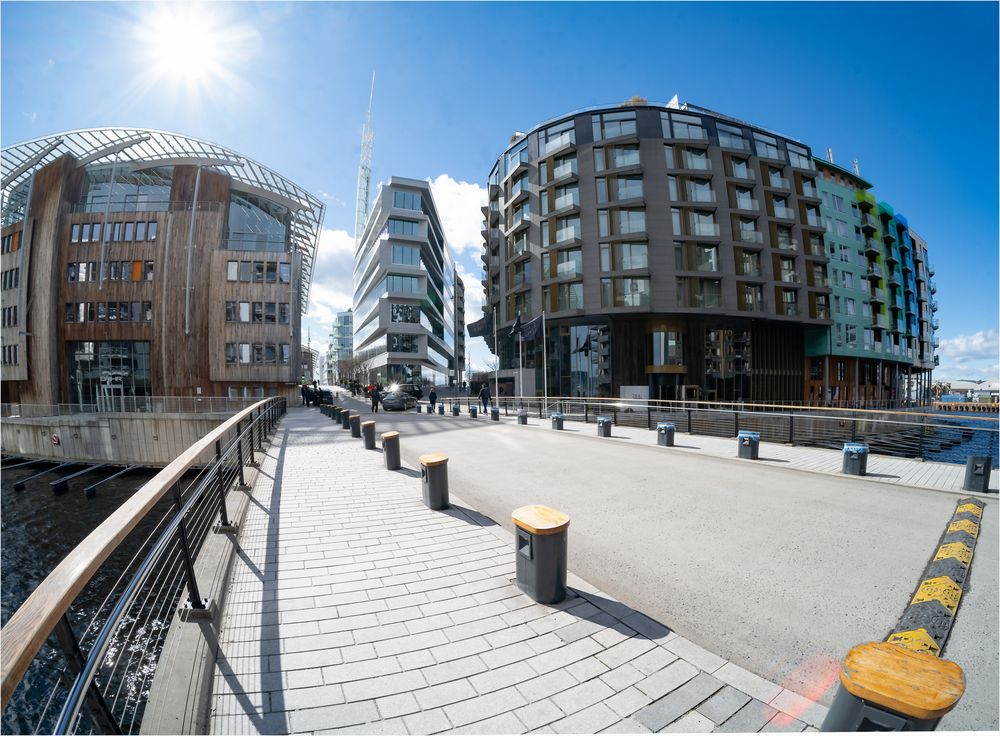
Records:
x=741, y=169
x=668, y=152
x=666, y=348
x=631, y=221
x=570, y=296
x=625, y=292
x=708, y=293
x=74, y=234
x=767, y=147
x=271, y=272
x=406, y=201
x=556, y=136
x=403, y=227
x=232, y=270
x=284, y=273
x=246, y=271
x=799, y=157
x=283, y=313
x=231, y=355
x=697, y=160
x=407, y=313
x=706, y=257
x=749, y=263
x=613, y=124
x=402, y=284
x=404, y=255
x=751, y=298
x=283, y=353
x=703, y=223
x=567, y=228
x=687, y=127
x=623, y=156
x=623, y=256
x=790, y=302
x=628, y=187
x=730, y=137
x=567, y=196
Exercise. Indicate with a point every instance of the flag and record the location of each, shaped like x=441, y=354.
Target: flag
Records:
x=532, y=330
x=516, y=327
x=481, y=327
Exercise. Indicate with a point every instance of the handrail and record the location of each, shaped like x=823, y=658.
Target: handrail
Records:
x=32, y=623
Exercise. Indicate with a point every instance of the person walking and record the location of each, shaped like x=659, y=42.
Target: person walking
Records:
x=432, y=397
x=304, y=394
x=374, y=395
x=484, y=396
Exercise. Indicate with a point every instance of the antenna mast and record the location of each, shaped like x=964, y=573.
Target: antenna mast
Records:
x=365, y=170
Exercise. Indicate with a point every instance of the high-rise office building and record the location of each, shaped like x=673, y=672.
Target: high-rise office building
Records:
x=409, y=303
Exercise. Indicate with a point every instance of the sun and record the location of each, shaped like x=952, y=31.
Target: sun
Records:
x=192, y=47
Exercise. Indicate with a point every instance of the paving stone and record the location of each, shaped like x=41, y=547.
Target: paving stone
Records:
x=377, y=687
x=696, y=655
x=672, y=706
x=673, y=676
x=306, y=697
x=360, y=670
x=538, y=714
x=501, y=724
x=410, y=643
x=748, y=682
x=427, y=722
x=591, y=720
x=415, y=660
x=334, y=716
x=582, y=696
x=397, y=705
x=622, y=677
x=612, y=635
x=802, y=708
x=723, y=704
x=625, y=651
x=692, y=722
x=564, y=656
x=388, y=727
x=647, y=627
x=501, y=677
x=626, y=726
x=783, y=723
x=445, y=694
x=586, y=669
x=586, y=627
x=484, y=706
x=460, y=649
x=750, y=718
x=465, y=667
x=628, y=701
x=653, y=661
x=547, y=685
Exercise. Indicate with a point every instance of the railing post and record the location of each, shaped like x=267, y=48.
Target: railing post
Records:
x=690, y=425
x=239, y=451
x=224, y=524
x=649, y=416
x=195, y=601
x=736, y=424
x=586, y=413
x=104, y=719
x=260, y=430
x=920, y=445
x=791, y=429
x=854, y=430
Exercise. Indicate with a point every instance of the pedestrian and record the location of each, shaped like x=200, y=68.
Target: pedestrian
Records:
x=432, y=397
x=374, y=397
x=484, y=396
x=303, y=394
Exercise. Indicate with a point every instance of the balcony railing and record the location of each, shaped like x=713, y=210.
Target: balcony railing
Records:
x=778, y=182
x=878, y=295
x=750, y=236
x=809, y=190
x=747, y=203
x=822, y=312
x=813, y=219
x=788, y=244
x=705, y=229
x=697, y=164
x=874, y=272
x=790, y=277
x=696, y=195
x=784, y=212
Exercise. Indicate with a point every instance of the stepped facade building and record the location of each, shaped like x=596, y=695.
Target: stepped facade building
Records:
x=678, y=253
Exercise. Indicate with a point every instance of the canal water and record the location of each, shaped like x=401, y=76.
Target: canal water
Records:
x=38, y=529
x=982, y=442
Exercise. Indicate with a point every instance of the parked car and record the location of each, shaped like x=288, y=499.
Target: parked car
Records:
x=412, y=389
x=398, y=401
x=324, y=395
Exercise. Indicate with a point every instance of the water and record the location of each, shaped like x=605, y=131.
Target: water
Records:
x=981, y=443
x=38, y=529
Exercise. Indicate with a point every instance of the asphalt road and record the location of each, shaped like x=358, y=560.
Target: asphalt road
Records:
x=777, y=570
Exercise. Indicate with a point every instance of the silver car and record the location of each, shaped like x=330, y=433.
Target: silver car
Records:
x=398, y=401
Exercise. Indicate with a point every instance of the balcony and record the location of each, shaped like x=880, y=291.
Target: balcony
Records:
x=705, y=229
x=820, y=282
x=894, y=279
x=790, y=277
x=907, y=265
x=937, y=360
x=700, y=195
x=889, y=236
x=890, y=255
x=874, y=272
x=750, y=236
x=877, y=296
x=778, y=182
x=866, y=201
x=934, y=305
x=567, y=269
x=935, y=324
x=932, y=287
x=521, y=280
x=930, y=269
x=872, y=248
x=810, y=190
x=788, y=244
x=747, y=203
x=786, y=213
x=695, y=163
x=936, y=344
x=790, y=309
x=821, y=312
x=896, y=305
x=868, y=224
x=880, y=322
x=813, y=220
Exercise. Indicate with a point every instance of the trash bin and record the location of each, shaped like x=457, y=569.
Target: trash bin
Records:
x=441, y=409
x=540, y=552
x=495, y=413
x=603, y=426
x=855, y=458
x=456, y=409
x=473, y=411
x=368, y=434
x=977, y=473
x=887, y=687
x=345, y=419
x=355, y=424
x=749, y=444
x=522, y=417
x=390, y=450
x=417, y=407
x=434, y=480
x=557, y=420
x=665, y=434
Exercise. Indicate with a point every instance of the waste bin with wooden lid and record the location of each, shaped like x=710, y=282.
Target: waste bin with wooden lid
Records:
x=434, y=480
x=540, y=552
x=355, y=425
x=368, y=434
x=345, y=419
x=887, y=687
x=390, y=450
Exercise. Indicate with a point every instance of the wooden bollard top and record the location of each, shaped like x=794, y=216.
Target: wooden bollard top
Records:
x=915, y=684
x=390, y=435
x=369, y=423
x=540, y=520
x=435, y=458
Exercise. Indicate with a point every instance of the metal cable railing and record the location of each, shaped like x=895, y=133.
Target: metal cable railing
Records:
x=112, y=649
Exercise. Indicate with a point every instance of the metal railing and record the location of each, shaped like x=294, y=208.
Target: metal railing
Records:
x=131, y=404
x=149, y=546
x=887, y=430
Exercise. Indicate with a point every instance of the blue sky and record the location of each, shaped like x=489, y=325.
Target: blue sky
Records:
x=909, y=89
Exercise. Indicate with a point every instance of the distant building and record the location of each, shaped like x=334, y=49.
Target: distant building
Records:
x=140, y=263
x=341, y=343
x=409, y=303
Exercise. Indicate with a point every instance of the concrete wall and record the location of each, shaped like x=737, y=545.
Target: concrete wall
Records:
x=121, y=439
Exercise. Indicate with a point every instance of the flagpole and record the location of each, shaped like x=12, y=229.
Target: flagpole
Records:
x=520, y=364
x=496, y=366
x=545, y=362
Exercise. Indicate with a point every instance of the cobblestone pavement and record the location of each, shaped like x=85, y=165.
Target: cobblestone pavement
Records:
x=353, y=607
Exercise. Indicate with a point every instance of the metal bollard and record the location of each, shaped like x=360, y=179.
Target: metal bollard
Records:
x=335, y=413
x=522, y=417
x=855, y=459
x=495, y=413
x=977, y=473
x=417, y=407
x=345, y=419
x=665, y=434
x=557, y=420
x=368, y=434
x=441, y=409
x=355, y=425
x=540, y=553
x=434, y=480
x=456, y=409
x=390, y=450
x=887, y=687
x=748, y=444
x=473, y=411
x=603, y=426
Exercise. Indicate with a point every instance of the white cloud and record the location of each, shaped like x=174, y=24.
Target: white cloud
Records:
x=458, y=203
x=332, y=277
x=969, y=357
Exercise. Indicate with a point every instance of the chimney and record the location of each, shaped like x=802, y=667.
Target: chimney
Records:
x=829, y=155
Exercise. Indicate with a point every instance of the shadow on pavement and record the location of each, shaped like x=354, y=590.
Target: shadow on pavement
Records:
x=463, y=513
x=772, y=460
x=408, y=472
x=881, y=475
